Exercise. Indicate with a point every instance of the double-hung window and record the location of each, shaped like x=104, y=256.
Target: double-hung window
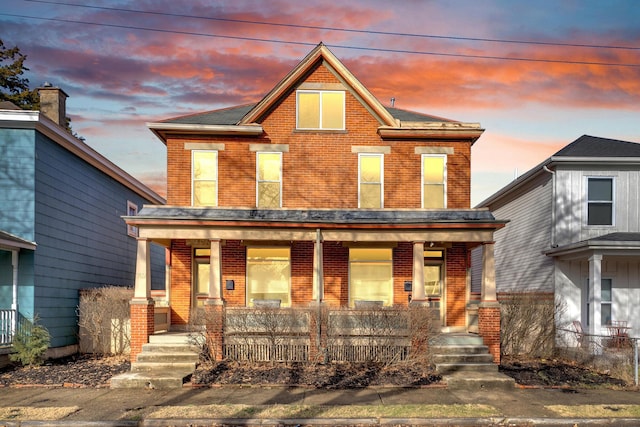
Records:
x=606, y=299
x=370, y=275
x=269, y=180
x=204, y=173
x=132, y=210
x=434, y=181
x=599, y=201
x=370, y=180
x=269, y=274
x=320, y=109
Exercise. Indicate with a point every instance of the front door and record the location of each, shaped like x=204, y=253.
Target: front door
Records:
x=434, y=281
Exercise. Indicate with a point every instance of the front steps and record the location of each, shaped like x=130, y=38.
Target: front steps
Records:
x=167, y=361
x=465, y=363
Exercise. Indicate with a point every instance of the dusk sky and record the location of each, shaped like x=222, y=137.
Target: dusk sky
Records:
x=535, y=74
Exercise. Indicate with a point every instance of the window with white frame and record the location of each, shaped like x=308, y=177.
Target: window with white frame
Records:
x=434, y=181
x=320, y=109
x=269, y=180
x=269, y=274
x=599, y=201
x=370, y=180
x=606, y=299
x=371, y=275
x=132, y=210
x=204, y=172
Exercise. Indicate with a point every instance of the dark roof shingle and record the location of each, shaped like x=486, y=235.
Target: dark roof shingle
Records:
x=593, y=146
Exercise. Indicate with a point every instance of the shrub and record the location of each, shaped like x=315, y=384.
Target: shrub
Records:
x=30, y=344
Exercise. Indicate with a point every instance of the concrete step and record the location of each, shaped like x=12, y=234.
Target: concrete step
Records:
x=153, y=367
x=158, y=380
x=170, y=348
x=450, y=368
x=172, y=338
x=479, y=381
x=463, y=358
x=456, y=339
x=459, y=349
x=167, y=357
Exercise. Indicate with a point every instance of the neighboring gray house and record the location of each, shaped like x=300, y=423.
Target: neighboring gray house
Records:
x=575, y=230
x=61, y=226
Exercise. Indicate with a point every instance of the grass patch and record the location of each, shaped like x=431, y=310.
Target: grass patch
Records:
x=333, y=411
x=596, y=411
x=23, y=413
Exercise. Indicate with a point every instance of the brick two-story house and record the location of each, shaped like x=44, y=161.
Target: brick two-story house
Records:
x=317, y=194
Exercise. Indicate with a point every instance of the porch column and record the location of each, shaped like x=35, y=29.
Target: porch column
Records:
x=318, y=279
x=14, y=300
x=142, y=306
x=215, y=272
x=417, y=285
x=214, y=305
x=595, y=293
x=489, y=308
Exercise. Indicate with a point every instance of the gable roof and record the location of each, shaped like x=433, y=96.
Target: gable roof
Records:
x=585, y=150
x=244, y=119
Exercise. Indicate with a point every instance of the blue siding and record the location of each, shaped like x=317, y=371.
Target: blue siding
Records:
x=82, y=239
x=17, y=165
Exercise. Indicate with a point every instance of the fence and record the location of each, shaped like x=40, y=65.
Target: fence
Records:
x=602, y=350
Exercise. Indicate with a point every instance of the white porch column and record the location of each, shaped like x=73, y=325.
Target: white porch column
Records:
x=215, y=271
x=595, y=297
x=14, y=300
x=488, y=290
x=417, y=284
x=318, y=279
x=143, y=270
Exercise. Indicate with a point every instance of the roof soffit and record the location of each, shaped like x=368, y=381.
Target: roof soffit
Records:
x=320, y=53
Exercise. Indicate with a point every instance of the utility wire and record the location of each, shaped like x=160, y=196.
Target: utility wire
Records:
x=286, y=42
x=347, y=30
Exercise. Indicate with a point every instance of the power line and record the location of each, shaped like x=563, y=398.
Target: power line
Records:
x=376, y=49
x=347, y=30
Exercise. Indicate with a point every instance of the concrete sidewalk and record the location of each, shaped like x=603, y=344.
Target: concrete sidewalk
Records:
x=132, y=407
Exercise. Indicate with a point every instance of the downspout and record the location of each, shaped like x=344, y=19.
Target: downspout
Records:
x=553, y=205
x=319, y=287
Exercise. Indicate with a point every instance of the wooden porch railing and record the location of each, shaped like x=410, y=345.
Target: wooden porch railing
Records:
x=8, y=324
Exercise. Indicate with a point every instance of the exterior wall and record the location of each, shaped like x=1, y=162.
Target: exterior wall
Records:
x=571, y=283
x=82, y=239
x=520, y=264
x=571, y=203
x=331, y=179
x=456, y=285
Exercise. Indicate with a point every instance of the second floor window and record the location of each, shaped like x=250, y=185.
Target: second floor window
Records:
x=599, y=201
x=320, y=110
x=434, y=181
x=370, y=180
x=132, y=210
x=269, y=177
x=204, y=178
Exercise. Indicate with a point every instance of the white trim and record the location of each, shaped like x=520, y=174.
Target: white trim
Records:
x=444, y=177
x=586, y=201
x=381, y=157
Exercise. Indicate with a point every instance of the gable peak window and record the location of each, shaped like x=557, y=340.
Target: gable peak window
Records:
x=599, y=201
x=320, y=109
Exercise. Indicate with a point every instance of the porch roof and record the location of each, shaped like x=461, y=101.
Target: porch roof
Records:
x=10, y=242
x=609, y=244
x=316, y=216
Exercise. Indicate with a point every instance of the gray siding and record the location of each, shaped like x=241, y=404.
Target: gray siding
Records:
x=520, y=265
x=82, y=239
x=571, y=204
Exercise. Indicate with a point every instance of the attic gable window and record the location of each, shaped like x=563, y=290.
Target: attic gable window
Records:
x=320, y=109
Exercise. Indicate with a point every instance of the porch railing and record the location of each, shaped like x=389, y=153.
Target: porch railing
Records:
x=8, y=324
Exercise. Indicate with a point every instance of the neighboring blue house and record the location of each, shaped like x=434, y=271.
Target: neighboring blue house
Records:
x=574, y=231
x=61, y=227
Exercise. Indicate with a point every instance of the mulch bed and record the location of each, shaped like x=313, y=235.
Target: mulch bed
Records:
x=88, y=371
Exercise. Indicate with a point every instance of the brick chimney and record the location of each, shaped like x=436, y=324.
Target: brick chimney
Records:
x=53, y=103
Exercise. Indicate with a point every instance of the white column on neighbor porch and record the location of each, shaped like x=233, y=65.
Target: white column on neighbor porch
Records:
x=142, y=284
x=215, y=271
x=595, y=297
x=14, y=285
x=318, y=279
x=488, y=289
x=417, y=284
